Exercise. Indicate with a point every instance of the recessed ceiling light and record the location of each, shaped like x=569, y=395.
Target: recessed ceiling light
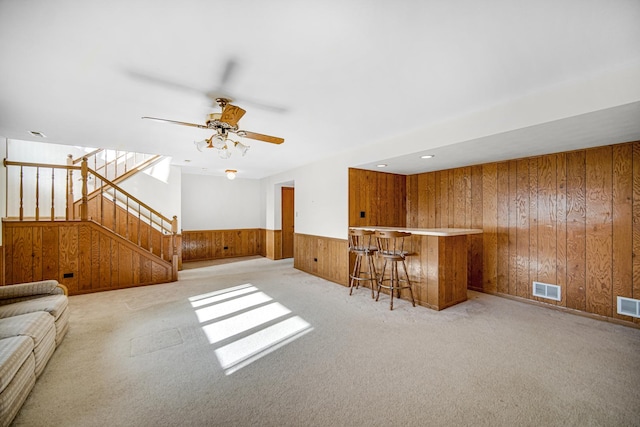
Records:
x=381, y=165
x=36, y=133
x=427, y=156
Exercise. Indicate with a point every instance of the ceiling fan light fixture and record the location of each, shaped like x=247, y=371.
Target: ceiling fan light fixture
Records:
x=224, y=152
x=201, y=145
x=241, y=147
x=231, y=173
x=219, y=142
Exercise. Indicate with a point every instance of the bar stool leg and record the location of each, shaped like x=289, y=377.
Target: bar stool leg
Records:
x=404, y=266
x=381, y=278
x=372, y=274
x=356, y=273
x=394, y=272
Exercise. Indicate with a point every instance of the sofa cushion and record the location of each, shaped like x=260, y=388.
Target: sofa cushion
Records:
x=40, y=327
x=13, y=352
x=13, y=396
x=53, y=304
x=10, y=294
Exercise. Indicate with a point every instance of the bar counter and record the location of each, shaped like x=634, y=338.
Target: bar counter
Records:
x=437, y=263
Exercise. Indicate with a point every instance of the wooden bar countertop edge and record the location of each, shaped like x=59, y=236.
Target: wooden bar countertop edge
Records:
x=443, y=232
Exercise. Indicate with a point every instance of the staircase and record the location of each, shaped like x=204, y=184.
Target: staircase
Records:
x=115, y=165
x=124, y=236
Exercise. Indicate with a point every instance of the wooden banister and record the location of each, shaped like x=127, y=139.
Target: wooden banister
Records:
x=131, y=197
x=91, y=154
x=152, y=223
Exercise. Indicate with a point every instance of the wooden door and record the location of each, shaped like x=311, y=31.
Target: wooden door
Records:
x=288, y=222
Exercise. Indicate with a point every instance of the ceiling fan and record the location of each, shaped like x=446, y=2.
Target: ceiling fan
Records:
x=222, y=89
x=223, y=124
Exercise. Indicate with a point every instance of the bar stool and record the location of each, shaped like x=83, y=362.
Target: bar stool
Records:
x=361, y=245
x=391, y=248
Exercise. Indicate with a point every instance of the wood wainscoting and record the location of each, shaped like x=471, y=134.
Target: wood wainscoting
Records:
x=82, y=255
x=274, y=244
x=325, y=257
x=200, y=245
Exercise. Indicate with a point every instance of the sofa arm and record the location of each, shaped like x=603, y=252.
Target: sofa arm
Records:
x=13, y=293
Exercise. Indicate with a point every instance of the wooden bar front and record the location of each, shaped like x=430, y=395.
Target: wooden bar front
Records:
x=437, y=264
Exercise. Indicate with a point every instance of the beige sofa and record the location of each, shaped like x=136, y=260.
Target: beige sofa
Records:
x=34, y=319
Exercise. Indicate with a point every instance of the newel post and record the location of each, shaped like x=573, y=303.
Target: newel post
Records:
x=174, y=224
x=84, y=207
x=174, y=249
x=70, y=213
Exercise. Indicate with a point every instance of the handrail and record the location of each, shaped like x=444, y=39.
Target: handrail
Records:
x=84, y=172
x=108, y=165
x=91, y=154
x=149, y=218
x=135, y=199
x=40, y=165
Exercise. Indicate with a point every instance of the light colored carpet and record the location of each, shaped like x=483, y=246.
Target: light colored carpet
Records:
x=153, y=356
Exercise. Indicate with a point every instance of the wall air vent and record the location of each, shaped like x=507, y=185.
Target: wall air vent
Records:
x=544, y=290
x=629, y=307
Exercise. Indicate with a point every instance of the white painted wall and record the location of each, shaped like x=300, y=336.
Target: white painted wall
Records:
x=321, y=198
x=216, y=203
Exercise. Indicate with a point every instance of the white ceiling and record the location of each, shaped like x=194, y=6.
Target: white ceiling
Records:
x=348, y=73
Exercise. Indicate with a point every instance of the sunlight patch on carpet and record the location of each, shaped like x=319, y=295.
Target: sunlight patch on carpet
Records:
x=213, y=297
x=213, y=312
x=232, y=313
x=244, y=351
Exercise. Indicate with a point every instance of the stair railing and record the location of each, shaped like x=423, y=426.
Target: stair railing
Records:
x=114, y=164
x=112, y=217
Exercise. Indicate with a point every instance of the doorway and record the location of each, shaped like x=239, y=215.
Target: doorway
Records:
x=288, y=221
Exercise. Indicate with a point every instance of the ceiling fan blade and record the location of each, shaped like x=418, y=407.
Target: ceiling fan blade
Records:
x=153, y=79
x=177, y=122
x=232, y=114
x=261, y=137
x=229, y=69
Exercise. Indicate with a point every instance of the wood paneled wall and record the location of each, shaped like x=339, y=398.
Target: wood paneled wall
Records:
x=91, y=258
x=324, y=257
x=450, y=198
x=2, y=278
x=570, y=219
x=381, y=196
x=201, y=245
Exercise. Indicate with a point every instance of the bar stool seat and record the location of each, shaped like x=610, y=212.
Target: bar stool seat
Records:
x=391, y=249
x=362, y=245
